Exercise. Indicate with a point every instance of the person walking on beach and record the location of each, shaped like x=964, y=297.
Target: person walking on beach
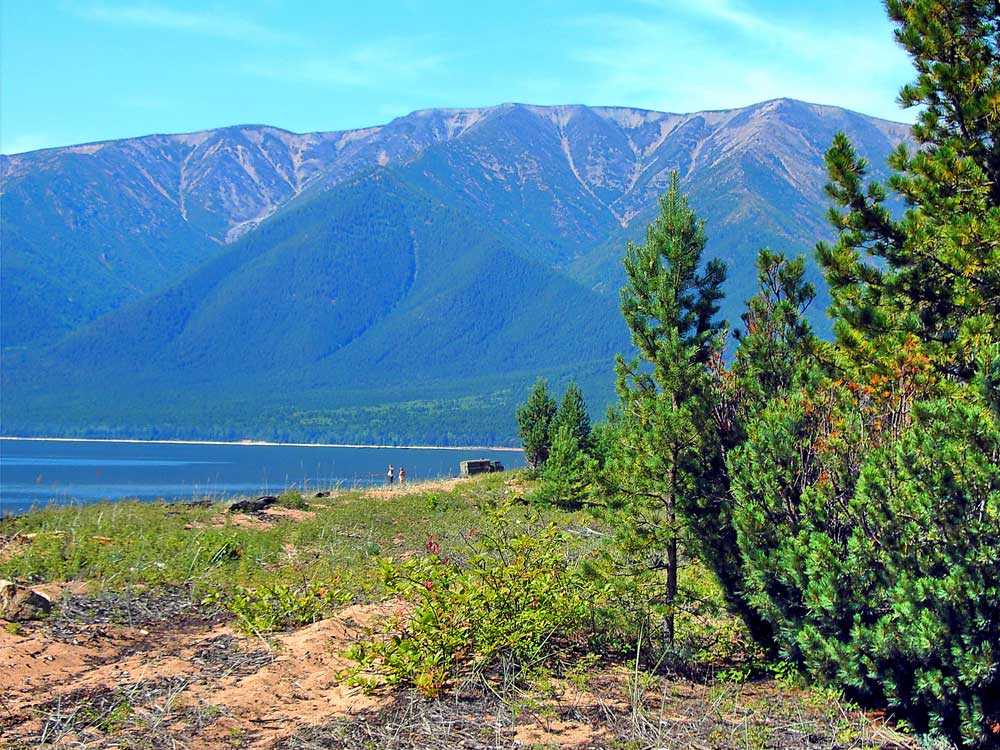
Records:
x=402, y=475
x=388, y=477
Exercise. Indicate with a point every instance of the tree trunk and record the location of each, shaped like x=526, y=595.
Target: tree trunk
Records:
x=671, y=597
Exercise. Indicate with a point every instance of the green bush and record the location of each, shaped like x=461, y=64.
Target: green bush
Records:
x=515, y=596
x=875, y=551
x=278, y=606
x=293, y=499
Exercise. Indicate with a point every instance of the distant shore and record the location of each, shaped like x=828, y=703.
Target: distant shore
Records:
x=264, y=442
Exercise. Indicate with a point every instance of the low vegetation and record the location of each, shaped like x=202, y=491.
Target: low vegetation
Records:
x=485, y=598
x=305, y=541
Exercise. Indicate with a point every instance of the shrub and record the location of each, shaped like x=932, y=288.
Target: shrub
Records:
x=516, y=596
x=279, y=606
x=874, y=550
x=293, y=499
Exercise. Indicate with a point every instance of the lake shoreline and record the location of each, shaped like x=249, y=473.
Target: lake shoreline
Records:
x=250, y=443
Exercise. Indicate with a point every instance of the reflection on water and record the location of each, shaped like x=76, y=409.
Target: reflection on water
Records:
x=39, y=472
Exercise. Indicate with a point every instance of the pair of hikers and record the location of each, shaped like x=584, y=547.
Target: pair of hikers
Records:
x=390, y=475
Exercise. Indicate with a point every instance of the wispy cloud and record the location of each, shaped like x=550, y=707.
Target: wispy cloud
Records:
x=204, y=23
x=390, y=60
x=716, y=53
x=718, y=10
x=23, y=143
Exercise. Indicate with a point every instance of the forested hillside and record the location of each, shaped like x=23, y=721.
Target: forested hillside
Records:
x=451, y=254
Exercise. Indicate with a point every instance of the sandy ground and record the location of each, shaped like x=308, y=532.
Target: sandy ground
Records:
x=194, y=682
x=177, y=677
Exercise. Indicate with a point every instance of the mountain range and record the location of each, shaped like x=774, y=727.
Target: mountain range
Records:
x=391, y=284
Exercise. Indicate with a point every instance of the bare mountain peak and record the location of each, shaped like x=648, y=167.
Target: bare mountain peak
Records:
x=562, y=182
x=225, y=181
x=454, y=122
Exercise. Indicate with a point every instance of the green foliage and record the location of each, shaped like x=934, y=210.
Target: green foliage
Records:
x=534, y=424
x=515, y=596
x=774, y=355
x=990, y=380
x=280, y=606
x=566, y=476
x=866, y=480
x=109, y=720
x=572, y=415
x=874, y=552
x=125, y=544
x=936, y=271
x=633, y=626
x=776, y=343
x=664, y=426
x=293, y=499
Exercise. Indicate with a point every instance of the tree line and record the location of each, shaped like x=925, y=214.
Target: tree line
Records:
x=845, y=493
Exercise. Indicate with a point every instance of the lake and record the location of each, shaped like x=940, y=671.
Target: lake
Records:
x=38, y=472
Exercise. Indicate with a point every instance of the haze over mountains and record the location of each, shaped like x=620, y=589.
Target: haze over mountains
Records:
x=396, y=283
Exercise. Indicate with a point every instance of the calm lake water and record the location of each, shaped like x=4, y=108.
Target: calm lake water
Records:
x=41, y=472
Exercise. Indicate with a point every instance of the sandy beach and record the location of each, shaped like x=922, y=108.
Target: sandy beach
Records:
x=265, y=443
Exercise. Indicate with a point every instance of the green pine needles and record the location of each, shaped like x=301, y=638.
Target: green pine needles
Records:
x=557, y=443
x=846, y=494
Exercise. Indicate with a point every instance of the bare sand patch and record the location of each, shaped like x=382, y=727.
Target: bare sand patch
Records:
x=189, y=681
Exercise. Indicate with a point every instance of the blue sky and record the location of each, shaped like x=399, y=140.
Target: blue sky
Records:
x=80, y=71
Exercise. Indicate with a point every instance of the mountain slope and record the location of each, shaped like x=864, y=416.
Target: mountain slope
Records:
x=370, y=286
x=89, y=228
x=99, y=225
x=398, y=283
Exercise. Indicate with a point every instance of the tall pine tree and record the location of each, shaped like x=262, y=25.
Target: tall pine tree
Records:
x=534, y=424
x=669, y=304
x=572, y=415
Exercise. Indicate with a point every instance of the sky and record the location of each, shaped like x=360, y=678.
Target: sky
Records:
x=81, y=70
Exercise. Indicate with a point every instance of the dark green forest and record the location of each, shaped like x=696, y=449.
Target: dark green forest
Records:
x=364, y=315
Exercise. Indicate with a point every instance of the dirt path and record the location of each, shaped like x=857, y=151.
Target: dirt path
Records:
x=413, y=488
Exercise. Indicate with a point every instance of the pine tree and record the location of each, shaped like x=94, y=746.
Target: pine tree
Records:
x=572, y=414
x=936, y=271
x=534, y=423
x=669, y=304
x=776, y=340
x=774, y=356
x=566, y=474
x=867, y=494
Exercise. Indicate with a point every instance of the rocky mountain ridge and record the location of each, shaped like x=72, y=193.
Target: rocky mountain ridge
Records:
x=227, y=180
x=449, y=254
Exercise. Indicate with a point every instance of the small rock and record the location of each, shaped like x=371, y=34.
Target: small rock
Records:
x=253, y=506
x=19, y=603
